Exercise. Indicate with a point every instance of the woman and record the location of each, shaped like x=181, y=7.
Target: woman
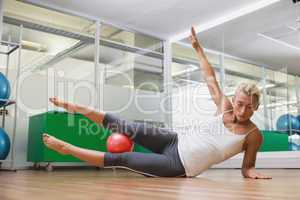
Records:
x=186, y=152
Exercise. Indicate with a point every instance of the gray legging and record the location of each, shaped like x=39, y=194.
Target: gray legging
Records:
x=163, y=162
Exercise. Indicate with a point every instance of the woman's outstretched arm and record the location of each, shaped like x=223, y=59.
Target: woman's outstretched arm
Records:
x=70, y=107
x=221, y=101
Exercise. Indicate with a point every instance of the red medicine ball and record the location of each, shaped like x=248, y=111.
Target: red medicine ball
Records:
x=119, y=143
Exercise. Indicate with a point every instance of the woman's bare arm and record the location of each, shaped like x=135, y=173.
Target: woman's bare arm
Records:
x=221, y=101
x=253, y=142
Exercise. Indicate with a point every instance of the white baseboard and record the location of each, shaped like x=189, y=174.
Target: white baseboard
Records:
x=285, y=159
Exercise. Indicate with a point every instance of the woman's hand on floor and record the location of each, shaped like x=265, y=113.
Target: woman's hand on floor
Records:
x=253, y=174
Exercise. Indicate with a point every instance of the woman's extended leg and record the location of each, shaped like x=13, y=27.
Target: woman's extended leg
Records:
x=153, y=138
x=93, y=157
x=150, y=164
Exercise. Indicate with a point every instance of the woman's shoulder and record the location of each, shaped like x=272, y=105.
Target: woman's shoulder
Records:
x=254, y=135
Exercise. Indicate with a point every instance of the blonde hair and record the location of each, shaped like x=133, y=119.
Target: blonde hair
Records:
x=249, y=89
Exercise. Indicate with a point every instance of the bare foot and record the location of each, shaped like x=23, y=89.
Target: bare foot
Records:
x=57, y=102
x=56, y=144
x=63, y=104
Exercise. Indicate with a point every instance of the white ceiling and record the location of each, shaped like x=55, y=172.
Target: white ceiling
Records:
x=168, y=18
x=241, y=37
x=160, y=18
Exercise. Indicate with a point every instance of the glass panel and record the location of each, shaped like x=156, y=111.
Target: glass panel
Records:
x=131, y=39
x=187, y=53
x=277, y=96
x=129, y=67
x=249, y=71
x=133, y=75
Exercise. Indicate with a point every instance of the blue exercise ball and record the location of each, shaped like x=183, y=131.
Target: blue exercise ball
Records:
x=298, y=117
x=4, y=144
x=4, y=89
x=287, y=123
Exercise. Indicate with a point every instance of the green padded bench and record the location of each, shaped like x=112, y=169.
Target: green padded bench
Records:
x=73, y=128
x=274, y=141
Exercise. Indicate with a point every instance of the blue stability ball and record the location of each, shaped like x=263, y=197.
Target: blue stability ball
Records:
x=287, y=122
x=4, y=144
x=4, y=89
x=298, y=117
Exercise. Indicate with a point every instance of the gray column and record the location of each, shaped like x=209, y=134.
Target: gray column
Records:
x=264, y=90
x=98, y=71
x=16, y=111
x=167, y=94
x=297, y=85
x=222, y=72
x=1, y=18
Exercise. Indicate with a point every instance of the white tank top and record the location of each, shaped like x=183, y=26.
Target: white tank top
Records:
x=201, y=145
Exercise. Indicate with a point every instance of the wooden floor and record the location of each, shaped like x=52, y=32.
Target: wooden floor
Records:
x=89, y=184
